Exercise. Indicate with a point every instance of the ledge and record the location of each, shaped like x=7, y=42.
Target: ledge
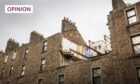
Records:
x=133, y=24
x=20, y=77
x=63, y=66
x=95, y=58
x=135, y=56
x=42, y=52
x=41, y=71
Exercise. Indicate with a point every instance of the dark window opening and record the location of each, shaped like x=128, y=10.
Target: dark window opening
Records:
x=61, y=79
x=96, y=76
x=40, y=81
x=11, y=70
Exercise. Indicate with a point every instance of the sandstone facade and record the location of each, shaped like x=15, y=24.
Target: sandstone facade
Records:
x=120, y=66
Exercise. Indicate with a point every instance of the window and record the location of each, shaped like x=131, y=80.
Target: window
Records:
x=95, y=47
x=14, y=54
x=8, y=82
x=26, y=52
x=11, y=70
x=96, y=76
x=131, y=16
x=23, y=70
x=66, y=60
x=99, y=47
x=45, y=46
x=138, y=70
x=40, y=81
x=6, y=58
x=61, y=79
x=136, y=44
x=42, y=67
x=3, y=70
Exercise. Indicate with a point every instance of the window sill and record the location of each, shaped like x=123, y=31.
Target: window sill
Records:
x=20, y=76
x=62, y=66
x=41, y=71
x=25, y=58
x=133, y=24
x=44, y=51
x=4, y=63
x=135, y=56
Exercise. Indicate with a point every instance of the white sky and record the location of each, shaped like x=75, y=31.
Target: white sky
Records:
x=90, y=17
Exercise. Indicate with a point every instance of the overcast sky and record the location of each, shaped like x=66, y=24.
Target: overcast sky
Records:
x=90, y=17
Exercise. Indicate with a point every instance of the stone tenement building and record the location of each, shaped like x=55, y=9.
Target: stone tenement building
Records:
x=64, y=58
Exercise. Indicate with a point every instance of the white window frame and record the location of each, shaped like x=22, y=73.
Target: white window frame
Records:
x=135, y=44
x=14, y=54
x=6, y=58
x=59, y=78
x=43, y=64
x=26, y=52
x=92, y=74
x=45, y=43
x=23, y=70
x=128, y=9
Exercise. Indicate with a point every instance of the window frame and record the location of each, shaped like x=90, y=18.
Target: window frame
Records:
x=92, y=75
x=2, y=72
x=6, y=58
x=14, y=54
x=133, y=36
x=42, y=65
x=136, y=14
x=40, y=80
x=45, y=46
x=23, y=70
x=59, y=78
x=26, y=51
x=11, y=69
x=138, y=68
x=99, y=47
x=64, y=60
x=129, y=17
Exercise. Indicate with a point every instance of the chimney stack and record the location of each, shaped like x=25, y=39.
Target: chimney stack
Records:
x=35, y=36
x=67, y=24
x=11, y=45
x=118, y=4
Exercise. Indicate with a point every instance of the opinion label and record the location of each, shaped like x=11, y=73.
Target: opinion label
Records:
x=18, y=8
